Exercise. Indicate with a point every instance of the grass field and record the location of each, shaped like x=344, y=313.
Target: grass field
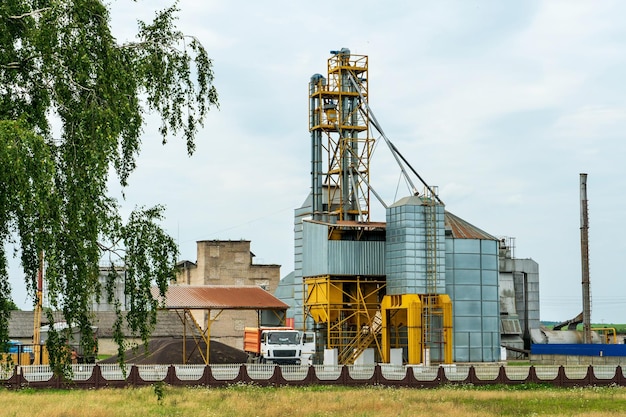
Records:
x=316, y=401
x=620, y=328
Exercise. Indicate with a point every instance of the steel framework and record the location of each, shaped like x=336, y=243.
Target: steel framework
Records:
x=338, y=112
x=348, y=311
x=420, y=325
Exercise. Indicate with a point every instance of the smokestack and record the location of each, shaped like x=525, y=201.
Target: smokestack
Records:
x=584, y=252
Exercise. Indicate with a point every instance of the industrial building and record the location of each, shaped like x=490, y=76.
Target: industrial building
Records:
x=227, y=263
x=219, y=262
x=424, y=285
x=223, y=267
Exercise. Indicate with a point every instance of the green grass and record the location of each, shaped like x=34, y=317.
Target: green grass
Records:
x=619, y=328
x=317, y=401
x=518, y=363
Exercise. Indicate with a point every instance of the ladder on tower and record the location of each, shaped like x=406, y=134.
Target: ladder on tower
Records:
x=367, y=335
x=430, y=224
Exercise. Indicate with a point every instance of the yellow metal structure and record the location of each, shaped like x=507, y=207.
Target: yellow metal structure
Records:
x=38, y=350
x=198, y=334
x=338, y=111
x=609, y=334
x=324, y=299
x=349, y=310
x=11, y=359
x=201, y=333
x=402, y=326
x=403, y=318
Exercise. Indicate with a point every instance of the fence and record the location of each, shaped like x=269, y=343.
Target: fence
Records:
x=113, y=375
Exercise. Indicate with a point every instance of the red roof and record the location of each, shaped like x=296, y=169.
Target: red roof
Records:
x=464, y=230
x=223, y=297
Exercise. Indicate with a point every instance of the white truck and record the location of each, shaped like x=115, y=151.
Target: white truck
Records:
x=279, y=345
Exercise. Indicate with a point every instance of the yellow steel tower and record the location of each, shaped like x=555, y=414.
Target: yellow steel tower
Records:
x=339, y=123
x=342, y=297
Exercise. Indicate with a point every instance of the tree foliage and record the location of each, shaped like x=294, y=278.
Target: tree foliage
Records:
x=72, y=106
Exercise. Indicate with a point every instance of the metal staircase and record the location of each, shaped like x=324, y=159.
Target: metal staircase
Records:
x=368, y=335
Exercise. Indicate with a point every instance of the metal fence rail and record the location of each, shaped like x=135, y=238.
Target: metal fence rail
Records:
x=113, y=375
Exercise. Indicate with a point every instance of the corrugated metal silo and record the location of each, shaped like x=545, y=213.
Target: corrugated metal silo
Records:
x=472, y=283
x=415, y=249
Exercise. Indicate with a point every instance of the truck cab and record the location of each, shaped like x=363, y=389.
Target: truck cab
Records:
x=283, y=346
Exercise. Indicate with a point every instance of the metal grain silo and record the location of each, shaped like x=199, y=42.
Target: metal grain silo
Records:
x=415, y=249
x=472, y=283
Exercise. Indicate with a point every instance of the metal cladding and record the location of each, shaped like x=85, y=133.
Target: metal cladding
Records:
x=472, y=282
x=415, y=248
x=519, y=296
x=322, y=256
x=223, y=297
x=461, y=229
x=543, y=336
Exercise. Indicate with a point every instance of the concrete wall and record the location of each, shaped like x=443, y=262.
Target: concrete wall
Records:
x=576, y=360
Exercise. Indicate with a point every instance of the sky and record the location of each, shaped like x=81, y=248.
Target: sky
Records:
x=501, y=105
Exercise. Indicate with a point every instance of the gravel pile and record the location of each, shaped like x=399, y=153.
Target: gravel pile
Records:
x=170, y=350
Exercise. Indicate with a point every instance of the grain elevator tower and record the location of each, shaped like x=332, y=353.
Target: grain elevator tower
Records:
x=367, y=286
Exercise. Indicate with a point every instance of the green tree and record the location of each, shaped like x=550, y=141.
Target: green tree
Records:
x=61, y=66
x=11, y=306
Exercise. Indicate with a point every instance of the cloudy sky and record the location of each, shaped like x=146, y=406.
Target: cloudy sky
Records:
x=500, y=104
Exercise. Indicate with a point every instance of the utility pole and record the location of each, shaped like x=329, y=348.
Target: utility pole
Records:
x=37, y=316
x=584, y=251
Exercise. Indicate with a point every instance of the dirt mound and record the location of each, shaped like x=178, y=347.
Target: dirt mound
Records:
x=170, y=350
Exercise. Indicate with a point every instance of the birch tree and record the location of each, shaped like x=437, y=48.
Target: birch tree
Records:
x=61, y=66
